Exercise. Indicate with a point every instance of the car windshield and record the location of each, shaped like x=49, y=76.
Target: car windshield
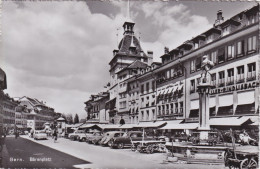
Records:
x=118, y=134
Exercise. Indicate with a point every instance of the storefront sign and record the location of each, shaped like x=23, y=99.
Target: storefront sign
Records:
x=242, y=86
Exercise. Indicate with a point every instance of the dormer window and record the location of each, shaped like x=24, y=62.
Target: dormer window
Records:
x=196, y=45
x=226, y=31
x=209, y=38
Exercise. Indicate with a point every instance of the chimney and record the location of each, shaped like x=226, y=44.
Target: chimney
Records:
x=220, y=18
x=150, y=57
x=166, y=50
x=219, y=15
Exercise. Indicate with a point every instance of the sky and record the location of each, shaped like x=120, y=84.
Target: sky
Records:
x=58, y=51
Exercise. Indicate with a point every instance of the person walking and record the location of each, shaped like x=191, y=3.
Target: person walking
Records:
x=55, y=135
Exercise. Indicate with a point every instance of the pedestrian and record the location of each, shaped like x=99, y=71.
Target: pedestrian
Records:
x=55, y=135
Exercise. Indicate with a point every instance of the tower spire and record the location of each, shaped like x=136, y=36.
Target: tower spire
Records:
x=129, y=24
x=128, y=10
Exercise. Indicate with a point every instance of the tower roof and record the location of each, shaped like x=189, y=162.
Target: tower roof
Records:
x=130, y=41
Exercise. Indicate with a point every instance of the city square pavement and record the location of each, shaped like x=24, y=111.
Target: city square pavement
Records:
x=73, y=154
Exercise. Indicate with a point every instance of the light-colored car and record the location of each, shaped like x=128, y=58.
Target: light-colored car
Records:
x=39, y=135
x=74, y=136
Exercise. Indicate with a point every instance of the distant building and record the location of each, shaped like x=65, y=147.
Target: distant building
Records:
x=39, y=113
x=96, y=108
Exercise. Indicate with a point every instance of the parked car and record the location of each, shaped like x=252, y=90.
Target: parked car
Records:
x=212, y=140
x=125, y=140
x=84, y=136
x=39, y=135
x=109, y=136
x=74, y=136
x=95, y=138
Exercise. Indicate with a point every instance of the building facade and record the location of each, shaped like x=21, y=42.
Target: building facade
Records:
x=168, y=91
x=96, y=108
x=39, y=113
x=9, y=110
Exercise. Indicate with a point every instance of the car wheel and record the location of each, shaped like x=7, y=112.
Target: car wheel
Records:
x=83, y=139
x=120, y=146
x=110, y=144
x=133, y=148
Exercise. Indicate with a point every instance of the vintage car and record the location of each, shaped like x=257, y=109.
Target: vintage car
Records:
x=39, y=135
x=74, y=136
x=95, y=138
x=125, y=140
x=109, y=136
x=212, y=140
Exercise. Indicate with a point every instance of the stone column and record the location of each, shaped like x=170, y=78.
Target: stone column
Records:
x=204, y=126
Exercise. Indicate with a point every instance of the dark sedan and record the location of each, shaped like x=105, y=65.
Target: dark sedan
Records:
x=125, y=140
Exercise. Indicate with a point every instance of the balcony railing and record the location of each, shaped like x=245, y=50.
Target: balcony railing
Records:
x=251, y=76
x=230, y=80
x=221, y=82
x=240, y=78
x=213, y=83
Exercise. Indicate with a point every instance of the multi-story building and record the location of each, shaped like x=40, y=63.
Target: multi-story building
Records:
x=96, y=108
x=39, y=112
x=169, y=91
x=9, y=110
x=21, y=117
x=234, y=48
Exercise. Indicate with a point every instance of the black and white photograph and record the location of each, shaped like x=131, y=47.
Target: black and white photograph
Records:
x=129, y=84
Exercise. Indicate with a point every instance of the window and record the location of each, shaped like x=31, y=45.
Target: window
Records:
x=181, y=107
x=192, y=86
x=231, y=51
x=251, y=74
x=142, y=89
x=172, y=108
x=221, y=55
x=196, y=45
x=209, y=38
x=213, y=79
x=153, y=85
x=147, y=87
x=172, y=72
x=240, y=74
x=251, y=44
x=240, y=48
x=251, y=19
x=176, y=107
x=226, y=30
x=230, y=78
x=168, y=74
x=159, y=110
x=221, y=79
x=213, y=57
x=198, y=63
x=192, y=66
